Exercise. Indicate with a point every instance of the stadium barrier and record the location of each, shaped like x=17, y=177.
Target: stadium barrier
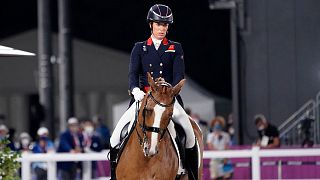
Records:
x=255, y=153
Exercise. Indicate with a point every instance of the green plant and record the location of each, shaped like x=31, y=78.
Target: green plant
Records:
x=8, y=161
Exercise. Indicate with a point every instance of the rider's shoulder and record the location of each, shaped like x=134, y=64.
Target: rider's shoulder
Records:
x=175, y=43
x=137, y=46
x=139, y=43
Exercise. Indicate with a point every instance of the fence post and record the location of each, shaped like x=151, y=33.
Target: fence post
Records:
x=86, y=170
x=26, y=172
x=255, y=163
x=52, y=170
x=279, y=170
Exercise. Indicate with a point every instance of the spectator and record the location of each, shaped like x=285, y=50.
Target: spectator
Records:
x=43, y=145
x=92, y=142
x=70, y=141
x=198, y=120
x=4, y=134
x=219, y=140
x=91, y=139
x=102, y=131
x=230, y=129
x=25, y=144
x=268, y=133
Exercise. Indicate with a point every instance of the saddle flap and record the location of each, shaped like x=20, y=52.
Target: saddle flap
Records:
x=124, y=132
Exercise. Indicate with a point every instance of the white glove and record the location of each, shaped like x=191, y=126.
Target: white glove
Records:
x=137, y=94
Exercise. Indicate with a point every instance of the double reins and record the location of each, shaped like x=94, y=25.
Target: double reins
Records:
x=146, y=128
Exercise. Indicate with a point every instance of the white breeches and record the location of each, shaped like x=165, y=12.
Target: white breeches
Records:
x=179, y=116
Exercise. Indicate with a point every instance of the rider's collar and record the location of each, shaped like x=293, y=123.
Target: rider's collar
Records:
x=152, y=39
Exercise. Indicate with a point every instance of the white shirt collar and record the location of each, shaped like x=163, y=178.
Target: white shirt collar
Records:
x=156, y=42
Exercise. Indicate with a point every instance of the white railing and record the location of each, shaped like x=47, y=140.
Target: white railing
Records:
x=53, y=158
x=255, y=154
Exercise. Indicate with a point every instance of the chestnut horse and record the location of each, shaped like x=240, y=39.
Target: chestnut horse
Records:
x=149, y=152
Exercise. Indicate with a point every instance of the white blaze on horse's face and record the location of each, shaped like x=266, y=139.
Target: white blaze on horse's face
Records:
x=158, y=111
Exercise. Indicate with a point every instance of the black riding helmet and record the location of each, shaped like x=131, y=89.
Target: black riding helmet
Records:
x=160, y=13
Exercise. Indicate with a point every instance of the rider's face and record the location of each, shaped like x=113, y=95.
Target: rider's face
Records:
x=159, y=30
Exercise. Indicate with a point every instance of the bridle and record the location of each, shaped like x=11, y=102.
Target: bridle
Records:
x=143, y=126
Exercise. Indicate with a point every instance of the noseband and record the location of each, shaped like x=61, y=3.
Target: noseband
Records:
x=145, y=128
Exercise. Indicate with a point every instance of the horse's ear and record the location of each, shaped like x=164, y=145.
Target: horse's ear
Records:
x=177, y=88
x=151, y=81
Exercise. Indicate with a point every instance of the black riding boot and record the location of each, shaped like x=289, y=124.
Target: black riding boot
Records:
x=113, y=162
x=192, y=162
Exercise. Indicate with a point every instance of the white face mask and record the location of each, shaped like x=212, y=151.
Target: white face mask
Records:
x=25, y=142
x=261, y=127
x=89, y=129
x=231, y=131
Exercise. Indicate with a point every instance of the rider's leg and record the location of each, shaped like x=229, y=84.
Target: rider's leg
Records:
x=113, y=161
x=128, y=116
x=181, y=117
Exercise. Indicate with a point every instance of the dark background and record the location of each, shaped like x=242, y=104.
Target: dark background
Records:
x=203, y=33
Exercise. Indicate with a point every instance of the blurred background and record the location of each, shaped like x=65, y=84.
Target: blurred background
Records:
x=242, y=58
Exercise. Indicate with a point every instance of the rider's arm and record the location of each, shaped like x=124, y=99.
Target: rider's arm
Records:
x=134, y=67
x=178, y=64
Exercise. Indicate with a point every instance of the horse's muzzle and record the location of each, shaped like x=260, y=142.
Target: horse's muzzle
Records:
x=148, y=152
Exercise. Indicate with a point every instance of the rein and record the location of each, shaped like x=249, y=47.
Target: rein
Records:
x=143, y=126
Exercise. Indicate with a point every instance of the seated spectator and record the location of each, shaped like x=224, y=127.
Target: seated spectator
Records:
x=25, y=144
x=219, y=140
x=43, y=145
x=4, y=134
x=70, y=141
x=268, y=133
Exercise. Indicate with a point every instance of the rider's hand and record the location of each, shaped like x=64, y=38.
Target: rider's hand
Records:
x=137, y=94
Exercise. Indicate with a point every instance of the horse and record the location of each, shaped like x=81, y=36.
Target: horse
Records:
x=149, y=152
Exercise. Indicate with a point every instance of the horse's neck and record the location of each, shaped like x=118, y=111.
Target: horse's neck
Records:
x=133, y=145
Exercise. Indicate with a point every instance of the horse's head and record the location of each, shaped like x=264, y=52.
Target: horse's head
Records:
x=155, y=113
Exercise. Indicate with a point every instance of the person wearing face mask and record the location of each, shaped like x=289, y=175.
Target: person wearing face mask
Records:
x=70, y=141
x=91, y=139
x=161, y=58
x=25, y=143
x=42, y=145
x=91, y=143
x=4, y=134
x=219, y=140
x=268, y=134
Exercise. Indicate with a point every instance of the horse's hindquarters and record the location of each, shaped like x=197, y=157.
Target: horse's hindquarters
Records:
x=199, y=136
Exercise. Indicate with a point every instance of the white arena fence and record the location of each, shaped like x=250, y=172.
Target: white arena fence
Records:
x=255, y=154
